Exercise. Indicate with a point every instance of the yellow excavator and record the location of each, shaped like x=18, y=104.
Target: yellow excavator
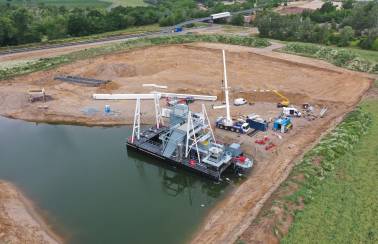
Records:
x=285, y=101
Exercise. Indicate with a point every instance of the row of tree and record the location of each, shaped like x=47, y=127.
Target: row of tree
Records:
x=327, y=25
x=26, y=24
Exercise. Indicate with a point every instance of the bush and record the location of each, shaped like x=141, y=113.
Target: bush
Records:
x=346, y=35
x=237, y=19
x=340, y=57
x=374, y=46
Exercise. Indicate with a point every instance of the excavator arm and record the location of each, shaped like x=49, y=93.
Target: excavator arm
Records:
x=285, y=101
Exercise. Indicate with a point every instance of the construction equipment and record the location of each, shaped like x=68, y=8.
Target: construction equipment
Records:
x=262, y=141
x=38, y=95
x=290, y=111
x=269, y=146
x=188, y=142
x=238, y=126
x=285, y=101
x=218, y=106
x=257, y=123
x=323, y=111
x=155, y=86
x=195, y=97
x=81, y=80
x=282, y=124
x=171, y=101
x=240, y=101
x=227, y=123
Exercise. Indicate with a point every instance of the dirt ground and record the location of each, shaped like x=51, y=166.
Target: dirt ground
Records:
x=18, y=221
x=296, y=7
x=197, y=69
x=275, y=218
x=194, y=68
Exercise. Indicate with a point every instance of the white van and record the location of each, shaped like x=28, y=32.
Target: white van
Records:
x=240, y=101
x=292, y=112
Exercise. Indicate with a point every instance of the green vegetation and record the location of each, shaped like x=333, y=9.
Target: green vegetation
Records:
x=371, y=56
x=354, y=59
x=76, y=3
x=127, y=31
x=356, y=22
x=29, y=23
x=49, y=63
x=66, y=3
x=237, y=19
x=339, y=192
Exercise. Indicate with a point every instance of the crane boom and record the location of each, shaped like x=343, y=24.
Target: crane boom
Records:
x=228, y=115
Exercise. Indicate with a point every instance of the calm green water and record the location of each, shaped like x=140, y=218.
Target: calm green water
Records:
x=93, y=191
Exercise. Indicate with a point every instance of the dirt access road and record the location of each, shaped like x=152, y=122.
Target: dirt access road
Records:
x=197, y=68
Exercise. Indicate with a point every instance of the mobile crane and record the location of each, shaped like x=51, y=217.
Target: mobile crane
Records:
x=227, y=123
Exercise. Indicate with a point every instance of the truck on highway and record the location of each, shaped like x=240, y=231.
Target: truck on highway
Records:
x=178, y=29
x=220, y=15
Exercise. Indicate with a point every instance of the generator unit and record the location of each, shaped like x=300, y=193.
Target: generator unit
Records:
x=282, y=124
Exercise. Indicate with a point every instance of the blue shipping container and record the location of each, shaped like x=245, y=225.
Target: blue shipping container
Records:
x=257, y=125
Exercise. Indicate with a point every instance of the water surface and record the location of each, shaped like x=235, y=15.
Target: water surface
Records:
x=93, y=191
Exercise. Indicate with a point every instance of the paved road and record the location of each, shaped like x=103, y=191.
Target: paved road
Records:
x=79, y=43
x=53, y=52
x=119, y=38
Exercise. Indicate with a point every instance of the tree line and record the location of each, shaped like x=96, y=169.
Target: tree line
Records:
x=355, y=22
x=27, y=24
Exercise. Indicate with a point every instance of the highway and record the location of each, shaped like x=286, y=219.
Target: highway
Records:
x=110, y=39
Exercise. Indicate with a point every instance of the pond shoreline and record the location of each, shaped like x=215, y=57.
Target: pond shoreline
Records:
x=20, y=221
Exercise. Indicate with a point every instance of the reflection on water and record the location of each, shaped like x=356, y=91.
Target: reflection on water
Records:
x=98, y=192
x=178, y=181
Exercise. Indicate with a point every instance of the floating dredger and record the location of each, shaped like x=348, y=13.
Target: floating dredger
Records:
x=188, y=141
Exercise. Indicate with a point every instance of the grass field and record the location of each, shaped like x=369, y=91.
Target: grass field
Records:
x=345, y=208
x=80, y=3
x=369, y=55
x=350, y=58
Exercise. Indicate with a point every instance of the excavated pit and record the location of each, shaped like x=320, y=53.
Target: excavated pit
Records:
x=197, y=69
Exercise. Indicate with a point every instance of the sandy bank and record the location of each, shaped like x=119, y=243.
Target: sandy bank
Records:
x=19, y=221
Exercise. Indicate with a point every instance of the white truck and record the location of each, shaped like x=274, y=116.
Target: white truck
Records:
x=220, y=15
